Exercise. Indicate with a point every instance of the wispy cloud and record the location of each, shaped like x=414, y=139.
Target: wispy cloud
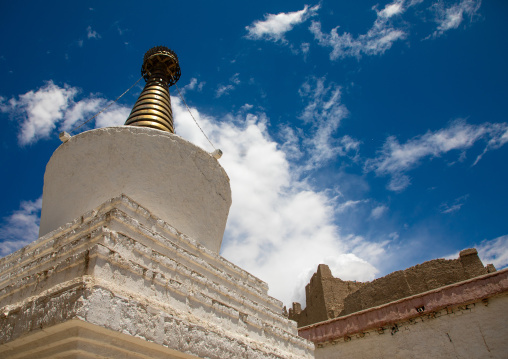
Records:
x=454, y=206
x=494, y=251
x=323, y=114
x=223, y=90
x=377, y=40
x=450, y=17
x=120, y=31
x=378, y=211
x=389, y=27
x=50, y=107
x=246, y=107
x=226, y=89
x=193, y=85
x=496, y=141
x=21, y=227
x=279, y=227
x=235, y=79
x=396, y=159
x=350, y=204
x=92, y=34
x=305, y=48
x=274, y=26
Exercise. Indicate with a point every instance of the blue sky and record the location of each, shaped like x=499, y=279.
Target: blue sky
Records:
x=370, y=136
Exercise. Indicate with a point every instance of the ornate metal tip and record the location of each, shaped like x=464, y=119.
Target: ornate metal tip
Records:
x=163, y=61
x=160, y=70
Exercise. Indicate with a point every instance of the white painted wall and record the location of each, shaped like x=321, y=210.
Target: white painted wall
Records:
x=174, y=179
x=476, y=331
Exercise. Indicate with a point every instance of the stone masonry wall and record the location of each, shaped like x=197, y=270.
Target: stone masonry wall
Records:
x=418, y=279
x=328, y=297
x=325, y=296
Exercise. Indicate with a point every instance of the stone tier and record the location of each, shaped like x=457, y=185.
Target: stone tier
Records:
x=121, y=269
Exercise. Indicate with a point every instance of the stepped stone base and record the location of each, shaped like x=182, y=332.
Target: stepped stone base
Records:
x=119, y=282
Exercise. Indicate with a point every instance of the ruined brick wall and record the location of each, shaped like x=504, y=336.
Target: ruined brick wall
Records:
x=418, y=279
x=328, y=297
x=325, y=296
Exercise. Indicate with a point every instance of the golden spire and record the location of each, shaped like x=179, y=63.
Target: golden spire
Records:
x=153, y=108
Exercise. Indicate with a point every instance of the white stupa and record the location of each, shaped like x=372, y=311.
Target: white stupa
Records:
x=127, y=264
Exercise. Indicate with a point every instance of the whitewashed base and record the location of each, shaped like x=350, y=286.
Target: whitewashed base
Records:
x=120, y=271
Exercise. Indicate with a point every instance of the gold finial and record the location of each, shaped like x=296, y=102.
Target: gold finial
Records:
x=153, y=108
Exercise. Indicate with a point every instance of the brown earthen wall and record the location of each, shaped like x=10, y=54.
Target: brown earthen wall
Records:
x=328, y=297
x=325, y=296
x=418, y=279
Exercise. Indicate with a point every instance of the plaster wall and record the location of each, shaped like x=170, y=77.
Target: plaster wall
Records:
x=476, y=331
x=178, y=181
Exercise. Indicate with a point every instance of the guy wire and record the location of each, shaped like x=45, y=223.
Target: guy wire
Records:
x=188, y=109
x=105, y=108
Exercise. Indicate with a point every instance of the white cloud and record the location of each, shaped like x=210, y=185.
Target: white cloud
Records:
x=395, y=8
x=496, y=141
x=395, y=159
x=454, y=206
x=279, y=228
x=451, y=17
x=21, y=227
x=4, y=106
x=40, y=110
x=52, y=107
x=342, y=207
x=80, y=111
x=305, y=48
x=274, y=26
x=378, y=211
x=349, y=147
x=225, y=89
x=323, y=112
x=377, y=40
x=394, y=236
x=115, y=115
x=193, y=85
x=290, y=138
x=92, y=34
x=247, y=107
x=494, y=251
x=235, y=79
x=389, y=28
